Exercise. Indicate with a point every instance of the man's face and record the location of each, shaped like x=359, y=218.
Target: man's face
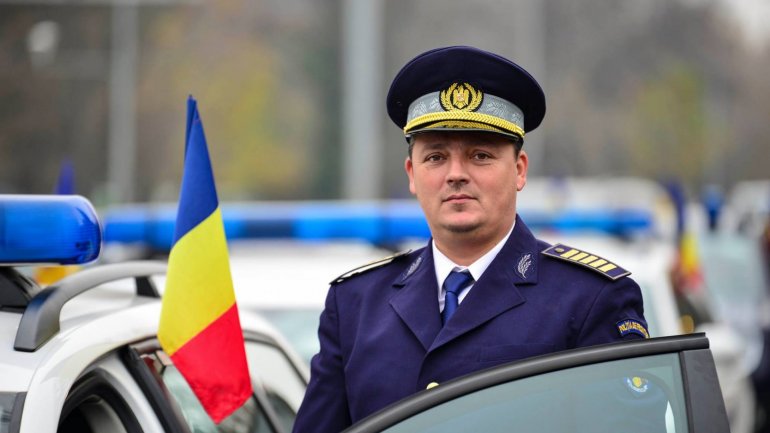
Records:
x=466, y=183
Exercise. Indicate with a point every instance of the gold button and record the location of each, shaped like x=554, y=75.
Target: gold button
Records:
x=431, y=385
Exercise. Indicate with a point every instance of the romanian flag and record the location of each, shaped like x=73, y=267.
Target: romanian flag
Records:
x=65, y=184
x=689, y=262
x=199, y=324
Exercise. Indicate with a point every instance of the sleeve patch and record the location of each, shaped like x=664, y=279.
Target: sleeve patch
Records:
x=586, y=260
x=369, y=266
x=630, y=326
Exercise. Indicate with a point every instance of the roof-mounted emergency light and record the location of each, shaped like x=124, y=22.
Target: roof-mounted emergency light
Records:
x=59, y=229
x=387, y=222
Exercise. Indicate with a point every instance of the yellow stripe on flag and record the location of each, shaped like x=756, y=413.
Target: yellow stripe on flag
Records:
x=198, y=283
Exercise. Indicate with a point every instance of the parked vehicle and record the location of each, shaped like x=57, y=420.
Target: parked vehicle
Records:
x=81, y=355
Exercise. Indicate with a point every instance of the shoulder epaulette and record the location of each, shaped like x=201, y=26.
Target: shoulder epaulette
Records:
x=369, y=266
x=587, y=260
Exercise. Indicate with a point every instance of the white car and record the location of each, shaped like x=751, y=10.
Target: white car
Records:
x=650, y=262
x=657, y=385
x=282, y=255
x=82, y=355
x=287, y=282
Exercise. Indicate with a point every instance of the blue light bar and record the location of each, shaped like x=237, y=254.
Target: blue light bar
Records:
x=387, y=222
x=60, y=229
x=615, y=222
x=376, y=223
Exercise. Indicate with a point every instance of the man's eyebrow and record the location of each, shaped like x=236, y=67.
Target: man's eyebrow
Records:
x=434, y=144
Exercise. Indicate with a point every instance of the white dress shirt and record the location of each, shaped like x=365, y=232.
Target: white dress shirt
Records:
x=444, y=266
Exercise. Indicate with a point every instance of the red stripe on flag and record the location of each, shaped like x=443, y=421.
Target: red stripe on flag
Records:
x=214, y=365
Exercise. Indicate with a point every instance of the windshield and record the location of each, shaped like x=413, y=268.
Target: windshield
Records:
x=299, y=326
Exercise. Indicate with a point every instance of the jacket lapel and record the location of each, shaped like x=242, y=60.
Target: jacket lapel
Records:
x=417, y=300
x=496, y=291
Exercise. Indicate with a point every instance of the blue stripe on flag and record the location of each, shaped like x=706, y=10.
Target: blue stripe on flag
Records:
x=198, y=197
x=192, y=110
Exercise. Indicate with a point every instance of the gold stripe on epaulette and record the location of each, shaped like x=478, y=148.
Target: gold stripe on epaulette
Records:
x=578, y=257
x=587, y=260
x=369, y=266
x=607, y=267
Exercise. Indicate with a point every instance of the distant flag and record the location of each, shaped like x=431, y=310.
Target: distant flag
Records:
x=688, y=261
x=199, y=324
x=686, y=275
x=65, y=184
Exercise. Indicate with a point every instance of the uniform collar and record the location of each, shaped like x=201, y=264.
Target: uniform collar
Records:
x=521, y=254
x=444, y=265
x=519, y=249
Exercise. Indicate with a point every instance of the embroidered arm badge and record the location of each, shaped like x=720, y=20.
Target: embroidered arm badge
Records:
x=631, y=326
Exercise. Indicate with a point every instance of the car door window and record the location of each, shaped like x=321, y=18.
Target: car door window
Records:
x=9, y=405
x=630, y=395
x=248, y=418
x=278, y=389
x=277, y=378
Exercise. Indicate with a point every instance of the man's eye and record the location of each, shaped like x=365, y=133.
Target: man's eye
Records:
x=433, y=158
x=481, y=156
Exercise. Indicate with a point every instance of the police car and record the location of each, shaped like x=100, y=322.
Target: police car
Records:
x=282, y=255
x=666, y=384
x=651, y=261
x=81, y=355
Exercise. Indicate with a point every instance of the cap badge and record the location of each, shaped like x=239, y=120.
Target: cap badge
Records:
x=461, y=97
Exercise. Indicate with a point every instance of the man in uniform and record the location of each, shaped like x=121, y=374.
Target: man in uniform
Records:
x=483, y=291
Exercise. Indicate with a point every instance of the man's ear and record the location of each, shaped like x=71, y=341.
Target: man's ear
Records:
x=409, y=167
x=522, y=164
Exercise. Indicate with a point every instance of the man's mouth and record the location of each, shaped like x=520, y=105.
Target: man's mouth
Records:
x=458, y=198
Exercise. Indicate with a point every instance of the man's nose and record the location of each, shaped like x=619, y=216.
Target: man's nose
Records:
x=457, y=171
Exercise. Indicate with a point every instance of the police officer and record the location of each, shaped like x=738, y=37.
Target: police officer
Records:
x=483, y=291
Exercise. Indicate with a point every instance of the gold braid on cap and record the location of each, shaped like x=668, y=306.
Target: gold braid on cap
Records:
x=463, y=119
x=461, y=124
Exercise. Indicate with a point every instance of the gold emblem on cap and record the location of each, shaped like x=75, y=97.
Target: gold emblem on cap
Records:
x=431, y=385
x=461, y=97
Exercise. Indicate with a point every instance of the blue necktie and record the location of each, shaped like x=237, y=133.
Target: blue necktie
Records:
x=453, y=285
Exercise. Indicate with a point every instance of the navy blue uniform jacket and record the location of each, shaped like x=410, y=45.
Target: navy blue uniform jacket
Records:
x=382, y=339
